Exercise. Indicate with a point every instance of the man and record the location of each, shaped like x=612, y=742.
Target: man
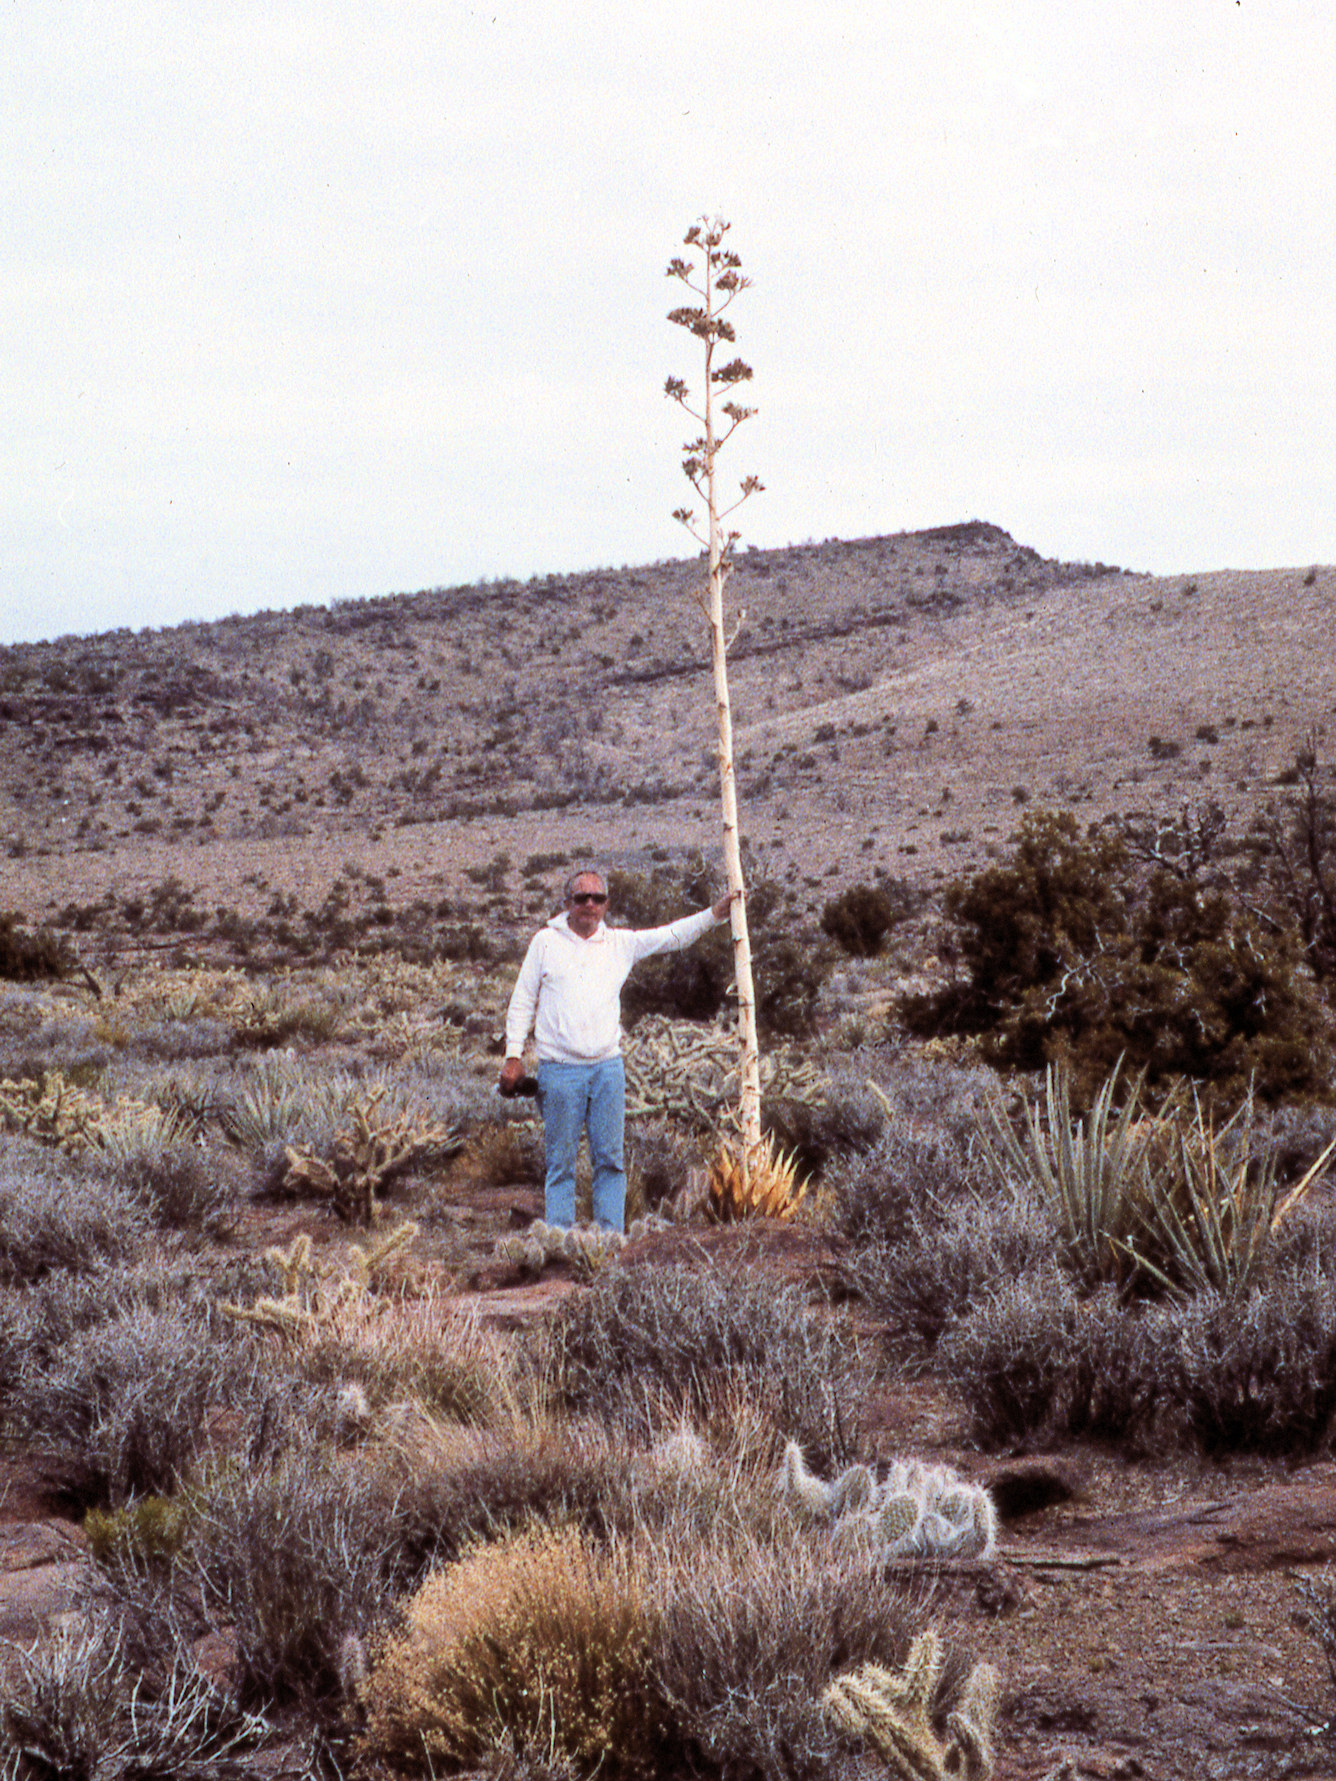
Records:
x=569, y=993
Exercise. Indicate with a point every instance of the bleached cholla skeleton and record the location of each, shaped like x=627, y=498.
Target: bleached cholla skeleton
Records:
x=892, y=1711
x=915, y=1511
x=683, y=1070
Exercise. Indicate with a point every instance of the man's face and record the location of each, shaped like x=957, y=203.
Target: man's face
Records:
x=585, y=905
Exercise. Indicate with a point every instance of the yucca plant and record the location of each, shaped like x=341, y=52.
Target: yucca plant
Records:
x=1168, y=1199
x=1210, y=1202
x=1090, y=1172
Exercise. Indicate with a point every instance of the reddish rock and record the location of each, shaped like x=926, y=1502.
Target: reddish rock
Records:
x=31, y=1599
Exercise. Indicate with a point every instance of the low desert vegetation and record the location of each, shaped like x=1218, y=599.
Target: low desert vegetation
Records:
x=426, y=1546
x=1081, y=1183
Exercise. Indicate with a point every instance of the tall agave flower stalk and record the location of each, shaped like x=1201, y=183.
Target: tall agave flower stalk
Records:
x=714, y=276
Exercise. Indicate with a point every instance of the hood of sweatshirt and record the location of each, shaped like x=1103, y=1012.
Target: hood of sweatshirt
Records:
x=563, y=926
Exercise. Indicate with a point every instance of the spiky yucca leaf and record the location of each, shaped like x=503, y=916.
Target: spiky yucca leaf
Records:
x=760, y=1183
x=1209, y=1207
x=1089, y=1171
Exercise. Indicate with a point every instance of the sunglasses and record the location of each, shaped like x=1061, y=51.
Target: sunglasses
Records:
x=590, y=897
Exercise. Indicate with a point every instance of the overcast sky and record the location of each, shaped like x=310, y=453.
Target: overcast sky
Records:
x=308, y=301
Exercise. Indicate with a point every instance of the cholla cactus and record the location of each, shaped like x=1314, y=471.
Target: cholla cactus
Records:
x=368, y=1154
x=892, y=1711
x=312, y=1290
x=916, y=1511
x=59, y=1112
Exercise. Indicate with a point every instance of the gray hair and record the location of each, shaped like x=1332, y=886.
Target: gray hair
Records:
x=568, y=889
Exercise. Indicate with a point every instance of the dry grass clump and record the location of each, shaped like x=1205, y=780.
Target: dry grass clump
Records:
x=424, y=1350
x=505, y=1153
x=543, y=1640
x=643, y=1349
x=670, y=1649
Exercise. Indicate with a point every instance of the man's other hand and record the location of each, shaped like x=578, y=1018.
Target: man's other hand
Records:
x=512, y=1072
x=720, y=909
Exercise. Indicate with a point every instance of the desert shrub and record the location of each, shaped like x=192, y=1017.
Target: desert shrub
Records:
x=67, y=1301
x=945, y=1257
x=860, y=918
x=56, y=1213
x=542, y=1640
x=646, y=1346
x=845, y=1121
x=916, y=1161
x=119, y=1408
x=78, y=1705
x=1034, y=1359
x=1215, y=1373
x=38, y=1039
x=1073, y=953
x=297, y=1555
x=146, y=1534
x=1258, y=1373
x=177, y=1185
x=180, y=1040
x=660, y=1160
x=25, y=957
x=788, y=968
x=749, y=1634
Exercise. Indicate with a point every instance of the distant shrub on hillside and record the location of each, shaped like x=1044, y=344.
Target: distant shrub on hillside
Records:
x=25, y=956
x=860, y=918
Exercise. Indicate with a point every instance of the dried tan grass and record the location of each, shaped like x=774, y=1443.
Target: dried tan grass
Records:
x=543, y=1640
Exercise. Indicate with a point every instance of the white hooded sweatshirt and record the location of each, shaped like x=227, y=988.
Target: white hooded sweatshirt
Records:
x=569, y=990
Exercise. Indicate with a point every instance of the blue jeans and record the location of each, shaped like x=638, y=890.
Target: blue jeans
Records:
x=575, y=1097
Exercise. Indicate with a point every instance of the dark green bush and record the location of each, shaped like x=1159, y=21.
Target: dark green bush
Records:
x=860, y=918
x=25, y=957
x=1075, y=953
